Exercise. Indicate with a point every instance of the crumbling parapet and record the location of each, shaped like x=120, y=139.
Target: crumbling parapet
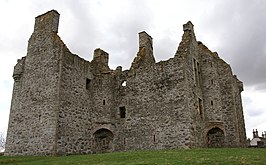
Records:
x=188, y=26
x=18, y=69
x=239, y=83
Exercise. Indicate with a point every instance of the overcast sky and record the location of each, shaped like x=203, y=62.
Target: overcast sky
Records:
x=233, y=28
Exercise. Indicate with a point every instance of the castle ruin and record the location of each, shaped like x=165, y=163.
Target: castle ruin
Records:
x=63, y=104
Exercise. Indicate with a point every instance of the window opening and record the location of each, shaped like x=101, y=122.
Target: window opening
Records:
x=103, y=102
x=154, y=138
x=200, y=106
x=195, y=71
x=124, y=83
x=122, y=112
x=211, y=102
x=198, y=69
x=87, y=83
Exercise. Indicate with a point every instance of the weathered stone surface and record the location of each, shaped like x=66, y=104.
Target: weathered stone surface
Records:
x=63, y=104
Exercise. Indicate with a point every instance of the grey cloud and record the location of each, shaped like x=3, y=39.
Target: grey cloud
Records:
x=83, y=30
x=80, y=28
x=243, y=38
x=255, y=112
x=165, y=47
x=247, y=100
x=121, y=37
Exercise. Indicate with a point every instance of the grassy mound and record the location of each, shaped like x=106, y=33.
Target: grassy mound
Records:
x=230, y=156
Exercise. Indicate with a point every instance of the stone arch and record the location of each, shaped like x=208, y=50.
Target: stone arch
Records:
x=102, y=140
x=215, y=137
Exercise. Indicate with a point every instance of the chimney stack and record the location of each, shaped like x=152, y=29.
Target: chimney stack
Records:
x=254, y=134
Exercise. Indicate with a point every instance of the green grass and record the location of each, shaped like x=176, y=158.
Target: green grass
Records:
x=231, y=156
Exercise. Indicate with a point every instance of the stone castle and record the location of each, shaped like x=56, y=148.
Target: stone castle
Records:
x=63, y=104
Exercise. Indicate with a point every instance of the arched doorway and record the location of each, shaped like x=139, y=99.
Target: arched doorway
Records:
x=215, y=137
x=103, y=140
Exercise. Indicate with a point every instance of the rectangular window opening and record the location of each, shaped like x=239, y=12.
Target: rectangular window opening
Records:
x=195, y=71
x=88, y=83
x=200, y=107
x=211, y=103
x=103, y=102
x=198, y=67
x=198, y=73
x=122, y=112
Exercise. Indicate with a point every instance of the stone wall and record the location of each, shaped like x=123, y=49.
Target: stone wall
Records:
x=74, y=118
x=63, y=104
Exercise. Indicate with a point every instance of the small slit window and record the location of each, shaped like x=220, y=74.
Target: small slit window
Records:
x=211, y=81
x=88, y=81
x=103, y=102
x=122, y=111
x=197, y=74
x=200, y=107
x=211, y=103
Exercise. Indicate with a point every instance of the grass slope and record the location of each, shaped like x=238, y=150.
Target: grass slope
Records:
x=232, y=156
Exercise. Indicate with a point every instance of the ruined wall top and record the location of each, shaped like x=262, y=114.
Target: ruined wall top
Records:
x=188, y=26
x=145, y=40
x=48, y=21
x=100, y=60
x=145, y=54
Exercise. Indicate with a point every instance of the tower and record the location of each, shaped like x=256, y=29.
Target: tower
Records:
x=33, y=115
